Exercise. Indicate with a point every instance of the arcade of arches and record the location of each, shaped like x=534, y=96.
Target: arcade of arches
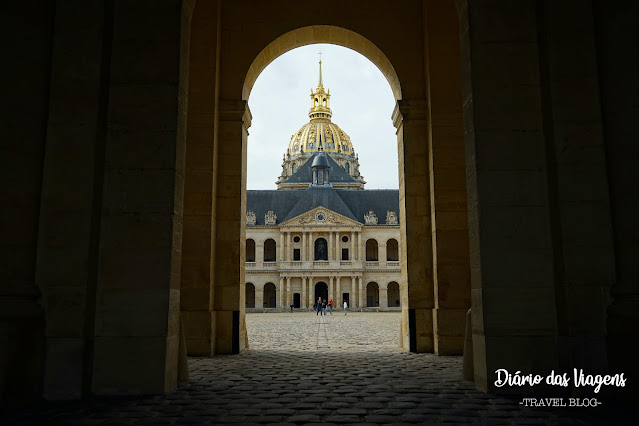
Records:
x=124, y=181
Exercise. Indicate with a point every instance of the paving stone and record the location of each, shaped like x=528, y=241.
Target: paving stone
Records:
x=297, y=373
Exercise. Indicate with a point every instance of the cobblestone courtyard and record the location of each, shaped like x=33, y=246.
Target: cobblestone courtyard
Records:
x=302, y=368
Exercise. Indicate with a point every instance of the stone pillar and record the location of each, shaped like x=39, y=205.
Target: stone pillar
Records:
x=339, y=303
x=289, y=295
x=303, y=301
x=259, y=296
x=259, y=254
x=361, y=244
x=352, y=255
x=281, y=249
x=282, y=293
x=383, y=296
x=330, y=247
x=234, y=121
x=49, y=158
x=381, y=255
x=137, y=288
x=304, y=256
x=410, y=118
x=311, y=247
x=362, y=292
x=330, y=289
x=289, y=247
x=514, y=302
x=447, y=170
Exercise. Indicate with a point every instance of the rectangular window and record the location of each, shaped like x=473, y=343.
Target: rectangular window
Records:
x=344, y=254
x=296, y=254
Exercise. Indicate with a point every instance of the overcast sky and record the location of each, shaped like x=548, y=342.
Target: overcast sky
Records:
x=361, y=101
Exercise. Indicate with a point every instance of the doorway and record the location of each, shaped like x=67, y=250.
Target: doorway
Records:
x=321, y=290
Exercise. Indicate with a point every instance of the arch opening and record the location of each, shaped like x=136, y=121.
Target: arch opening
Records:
x=270, y=296
x=249, y=296
x=392, y=295
x=372, y=295
x=315, y=34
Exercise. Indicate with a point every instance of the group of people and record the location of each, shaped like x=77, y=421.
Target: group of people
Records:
x=321, y=306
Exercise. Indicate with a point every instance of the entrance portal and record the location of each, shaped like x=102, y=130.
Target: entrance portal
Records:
x=269, y=295
x=296, y=300
x=372, y=295
x=321, y=290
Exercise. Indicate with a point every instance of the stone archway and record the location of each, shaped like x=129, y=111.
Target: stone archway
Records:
x=321, y=290
x=270, y=296
x=393, y=296
x=250, y=296
x=372, y=295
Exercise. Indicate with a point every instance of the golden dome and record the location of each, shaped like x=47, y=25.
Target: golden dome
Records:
x=320, y=134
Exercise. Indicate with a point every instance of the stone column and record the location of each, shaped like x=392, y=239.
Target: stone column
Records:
x=289, y=247
x=352, y=255
x=383, y=296
x=339, y=303
x=304, y=257
x=281, y=248
x=259, y=296
x=259, y=254
x=381, y=248
x=330, y=289
x=361, y=244
x=229, y=284
x=281, y=299
x=362, y=292
x=354, y=298
x=289, y=296
x=311, y=247
x=330, y=246
x=410, y=117
x=303, y=301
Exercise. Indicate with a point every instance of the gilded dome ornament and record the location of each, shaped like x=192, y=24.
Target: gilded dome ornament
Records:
x=320, y=133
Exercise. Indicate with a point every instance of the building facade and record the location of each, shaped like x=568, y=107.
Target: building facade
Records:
x=321, y=234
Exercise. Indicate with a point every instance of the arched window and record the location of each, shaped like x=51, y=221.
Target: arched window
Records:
x=393, y=294
x=269, y=296
x=347, y=168
x=250, y=295
x=392, y=250
x=372, y=295
x=250, y=250
x=321, y=249
x=269, y=250
x=371, y=250
x=294, y=168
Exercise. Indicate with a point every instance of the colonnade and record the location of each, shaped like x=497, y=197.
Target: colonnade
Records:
x=356, y=245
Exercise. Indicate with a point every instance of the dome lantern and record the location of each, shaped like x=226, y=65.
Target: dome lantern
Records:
x=320, y=100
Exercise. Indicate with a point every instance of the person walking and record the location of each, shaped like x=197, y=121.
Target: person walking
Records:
x=324, y=306
x=345, y=306
x=330, y=306
x=319, y=306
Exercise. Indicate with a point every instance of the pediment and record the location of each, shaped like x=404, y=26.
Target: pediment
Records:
x=320, y=216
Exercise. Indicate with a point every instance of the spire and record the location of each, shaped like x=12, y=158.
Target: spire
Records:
x=320, y=99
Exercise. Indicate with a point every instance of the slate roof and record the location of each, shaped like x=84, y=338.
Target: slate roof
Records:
x=351, y=203
x=305, y=174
